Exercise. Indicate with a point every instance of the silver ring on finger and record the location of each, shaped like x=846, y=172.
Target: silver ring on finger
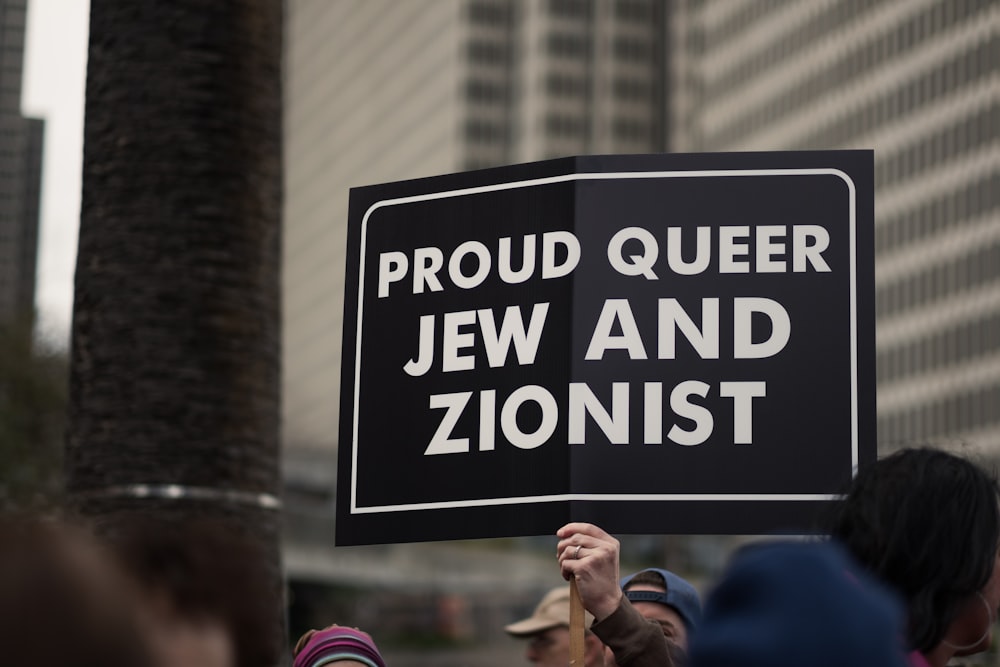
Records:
x=576, y=554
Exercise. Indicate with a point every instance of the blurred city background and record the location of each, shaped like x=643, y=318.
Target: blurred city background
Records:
x=383, y=90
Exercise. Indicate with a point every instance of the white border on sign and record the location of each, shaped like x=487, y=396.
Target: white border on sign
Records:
x=633, y=497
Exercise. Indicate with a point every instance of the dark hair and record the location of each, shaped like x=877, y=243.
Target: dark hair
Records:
x=928, y=524
x=207, y=570
x=62, y=600
x=649, y=578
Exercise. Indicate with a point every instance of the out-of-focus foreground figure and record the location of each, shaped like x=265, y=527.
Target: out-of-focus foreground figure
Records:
x=145, y=592
x=63, y=601
x=794, y=604
x=200, y=598
x=927, y=523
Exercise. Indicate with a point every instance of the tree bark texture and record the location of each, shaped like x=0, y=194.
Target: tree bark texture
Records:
x=175, y=352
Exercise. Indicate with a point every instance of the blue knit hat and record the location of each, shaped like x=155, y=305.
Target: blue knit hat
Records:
x=681, y=596
x=792, y=604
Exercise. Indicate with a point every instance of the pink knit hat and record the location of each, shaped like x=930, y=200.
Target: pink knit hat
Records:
x=320, y=647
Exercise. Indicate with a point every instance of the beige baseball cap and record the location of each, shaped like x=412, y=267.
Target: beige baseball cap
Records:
x=551, y=612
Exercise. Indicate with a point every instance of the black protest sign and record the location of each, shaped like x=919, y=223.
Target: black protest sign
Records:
x=657, y=344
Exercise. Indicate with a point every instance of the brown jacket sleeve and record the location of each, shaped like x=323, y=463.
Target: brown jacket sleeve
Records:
x=635, y=641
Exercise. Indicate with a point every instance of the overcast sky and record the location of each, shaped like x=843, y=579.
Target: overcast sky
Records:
x=54, y=75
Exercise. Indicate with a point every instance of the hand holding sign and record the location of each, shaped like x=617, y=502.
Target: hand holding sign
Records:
x=598, y=568
x=590, y=555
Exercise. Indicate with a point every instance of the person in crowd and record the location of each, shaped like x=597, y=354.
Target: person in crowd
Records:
x=924, y=522
x=203, y=601
x=591, y=556
x=336, y=646
x=789, y=604
x=750, y=619
x=666, y=599
x=927, y=523
x=547, y=633
x=63, y=601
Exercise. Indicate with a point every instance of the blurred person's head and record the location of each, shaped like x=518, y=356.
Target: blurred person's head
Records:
x=63, y=601
x=667, y=599
x=204, y=604
x=337, y=645
x=927, y=523
x=792, y=604
x=547, y=633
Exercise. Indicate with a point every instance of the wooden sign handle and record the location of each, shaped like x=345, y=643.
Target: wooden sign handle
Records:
x=576, y=629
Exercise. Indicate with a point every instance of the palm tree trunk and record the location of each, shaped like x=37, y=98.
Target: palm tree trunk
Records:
x=175, y=353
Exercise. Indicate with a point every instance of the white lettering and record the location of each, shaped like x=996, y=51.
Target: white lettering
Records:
x=705, y=340
x=704, y=423
x=452, y=341
x=481, y=253
x=766, y=249
x=702, y=255
x=615, y=310
x=507, y=274
x=729, y=249
x=652, y=424
x=425, y=350
x=392, y=266
x=512, y=329
x=638, y=265
x=508, y=417
x=582, y=402
x=803, y=251
x=743, y=394
x=487, y=420
x=441, y=443
x=551, y=240
x=781, y=328
x=613, y=422
x=426, y=263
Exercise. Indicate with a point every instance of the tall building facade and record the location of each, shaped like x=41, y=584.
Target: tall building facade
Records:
x=371, y=95
x=384, y=90
x=20, y=172
x=381, y=90
x=550, y=78
x=919, y=82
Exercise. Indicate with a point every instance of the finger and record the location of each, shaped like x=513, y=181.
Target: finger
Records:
x=586, y=542
x=572, y=568
x=580, y=527
x=576, y=547
x=565, y=552
x=586, y=539
x=565, y=545
x=577, y=528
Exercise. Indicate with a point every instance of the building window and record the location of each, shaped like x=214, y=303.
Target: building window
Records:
x=632, y=49
x=567, y=45
x=485, y=12
x=571, y=9
x=565, y=85
x=565, y=126
x=480, y=91
x=487, y=52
